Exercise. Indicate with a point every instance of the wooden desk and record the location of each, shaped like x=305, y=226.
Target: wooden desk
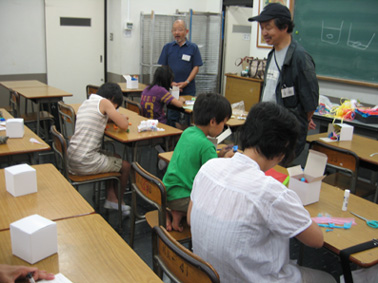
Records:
x=55, y=199
x=241, y=88
x=133, y=136
x=131, y=92
x=89, y=250
x=21, y=145
x=26, y=83
x=331, y=199
x=41, y=94
x=360, y=145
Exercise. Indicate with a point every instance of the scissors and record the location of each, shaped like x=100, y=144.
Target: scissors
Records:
x=371, y=223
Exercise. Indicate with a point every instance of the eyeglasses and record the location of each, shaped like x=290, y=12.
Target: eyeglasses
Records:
x=178, y=30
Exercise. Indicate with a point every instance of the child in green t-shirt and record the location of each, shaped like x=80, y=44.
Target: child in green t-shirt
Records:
x=211, y=112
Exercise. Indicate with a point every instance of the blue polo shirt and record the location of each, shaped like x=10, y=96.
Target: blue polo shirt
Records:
x=181, y=60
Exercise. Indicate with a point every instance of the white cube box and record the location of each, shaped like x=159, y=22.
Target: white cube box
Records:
x=15, y=128
x=34, y=238
x=308, y=190
x=20, y=180
x=346, y=131
x=175, y=92
x=131, y=83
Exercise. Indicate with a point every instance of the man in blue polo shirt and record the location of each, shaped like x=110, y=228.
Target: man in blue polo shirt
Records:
x=184, y=58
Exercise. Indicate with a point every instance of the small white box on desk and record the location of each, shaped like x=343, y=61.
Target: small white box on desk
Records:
x=175, y=91
x=308, y=190
x=34, y=238
x=131, y=82
x=20, y=180
x=15, y=128
x=345, y=133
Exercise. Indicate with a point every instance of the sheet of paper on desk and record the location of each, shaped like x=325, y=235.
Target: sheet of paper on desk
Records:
x=2, y=128
x=59, y=278
x=327, y=140
x=189, y=107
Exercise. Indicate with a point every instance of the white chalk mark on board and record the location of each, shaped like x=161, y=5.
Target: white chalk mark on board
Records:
x=358, y=44
x=331, y=35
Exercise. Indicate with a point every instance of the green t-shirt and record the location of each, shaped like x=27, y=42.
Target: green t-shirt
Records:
x=191, y=152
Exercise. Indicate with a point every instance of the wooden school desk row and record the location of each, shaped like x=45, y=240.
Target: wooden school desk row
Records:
x=37, y=92
x=19, y=146
x=89, y=250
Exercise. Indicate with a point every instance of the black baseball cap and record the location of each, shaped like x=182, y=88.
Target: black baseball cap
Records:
x=272, y=11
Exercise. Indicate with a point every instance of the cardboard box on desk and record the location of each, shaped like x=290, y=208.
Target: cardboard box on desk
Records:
x=175, y=92
x=20, y=180
x=345, y=133
x=131, y=82
x=309, y=190
x=34, y=238
x=15, y=128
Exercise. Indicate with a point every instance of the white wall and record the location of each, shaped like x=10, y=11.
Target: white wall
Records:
x=364, y=94
x=22, y=36
x=127, y=49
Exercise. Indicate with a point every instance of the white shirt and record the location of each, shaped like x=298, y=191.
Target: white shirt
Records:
x=242, y=220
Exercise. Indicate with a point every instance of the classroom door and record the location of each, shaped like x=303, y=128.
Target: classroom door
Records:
x=75, y=45
x=237, y=39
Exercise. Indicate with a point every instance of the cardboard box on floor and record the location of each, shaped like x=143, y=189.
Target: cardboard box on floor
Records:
x=309, y=190
x=346, y=131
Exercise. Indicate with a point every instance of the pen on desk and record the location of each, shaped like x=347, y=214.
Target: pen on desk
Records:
x=30, y=278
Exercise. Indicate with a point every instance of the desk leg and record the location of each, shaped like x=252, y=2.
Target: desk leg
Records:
x=38, y=117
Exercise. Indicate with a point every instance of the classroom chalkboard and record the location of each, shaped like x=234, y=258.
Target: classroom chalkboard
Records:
x=341, y=36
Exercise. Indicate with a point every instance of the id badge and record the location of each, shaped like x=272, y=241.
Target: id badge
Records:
x=185, y=57
x=287, y=92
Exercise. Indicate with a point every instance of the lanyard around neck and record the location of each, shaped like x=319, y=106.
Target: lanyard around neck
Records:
x=275, y=60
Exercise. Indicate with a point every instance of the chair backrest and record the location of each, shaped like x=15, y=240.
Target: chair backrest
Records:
x=59, y=146
x=133, y=106
x=179, y=263
x=15, y=103
x=91, y=89
x=149, y=188
x=67, y=119
x=339, y=159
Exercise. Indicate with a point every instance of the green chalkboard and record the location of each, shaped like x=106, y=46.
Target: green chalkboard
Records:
x=341, y=36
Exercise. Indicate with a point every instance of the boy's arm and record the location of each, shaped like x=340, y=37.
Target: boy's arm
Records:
x=312, y=236
x=107, y=108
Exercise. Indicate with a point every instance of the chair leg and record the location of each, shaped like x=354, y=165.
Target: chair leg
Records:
x=132, y=219
x=120, y=197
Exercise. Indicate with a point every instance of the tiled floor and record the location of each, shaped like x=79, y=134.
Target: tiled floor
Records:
x=314, y=258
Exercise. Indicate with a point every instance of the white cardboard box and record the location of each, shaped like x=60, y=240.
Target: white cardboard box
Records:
x=15, y=128
x=131, y=83
x=346, y=131
x=34, y=238
x=175, y=91
x=308, y=191
x=20, y=180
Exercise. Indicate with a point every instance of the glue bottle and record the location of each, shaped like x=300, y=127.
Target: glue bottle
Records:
x=346, y=199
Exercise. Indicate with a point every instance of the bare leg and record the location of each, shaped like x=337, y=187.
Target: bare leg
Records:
x=112, y=191
x=168, y=221
x=176, y=220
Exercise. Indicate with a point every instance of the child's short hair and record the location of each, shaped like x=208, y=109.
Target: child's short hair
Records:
x=209, y=106
x=112, y=92
x=272, y=130
x=163, y=76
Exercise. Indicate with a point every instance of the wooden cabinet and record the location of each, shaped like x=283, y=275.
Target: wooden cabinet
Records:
x=241, y=88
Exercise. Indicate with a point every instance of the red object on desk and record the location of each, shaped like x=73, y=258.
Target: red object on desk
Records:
x=276, y=175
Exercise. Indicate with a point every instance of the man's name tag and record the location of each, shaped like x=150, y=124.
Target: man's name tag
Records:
x=287, y=92
x=185, y=57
